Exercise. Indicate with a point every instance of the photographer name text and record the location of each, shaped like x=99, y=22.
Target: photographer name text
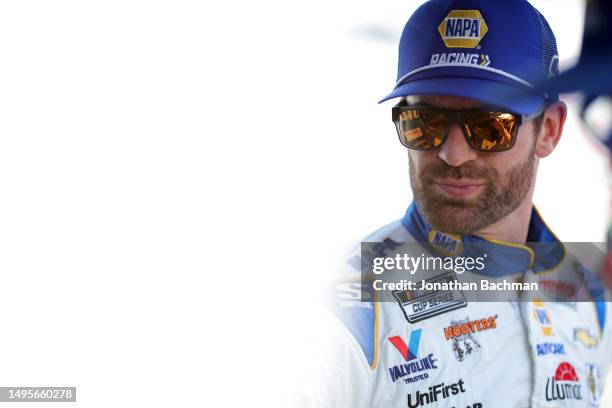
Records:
x=484, y=284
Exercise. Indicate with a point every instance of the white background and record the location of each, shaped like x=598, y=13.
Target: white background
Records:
x=178, y=177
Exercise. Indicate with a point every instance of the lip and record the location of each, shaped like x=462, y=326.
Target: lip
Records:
x=459, y=189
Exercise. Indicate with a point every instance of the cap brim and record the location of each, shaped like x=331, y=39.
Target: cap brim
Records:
x=491, y=92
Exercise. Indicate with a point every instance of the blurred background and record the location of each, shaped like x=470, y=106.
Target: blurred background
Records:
x=179, y=178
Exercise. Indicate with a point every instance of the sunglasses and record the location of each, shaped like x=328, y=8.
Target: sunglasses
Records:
x=485, y=129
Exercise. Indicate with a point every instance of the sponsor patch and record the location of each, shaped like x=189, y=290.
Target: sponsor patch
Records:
x=594, y=386
x=419, y=305
x=544, y=349
x=462, y=29
x=415, y=368
x=447, y=244
x=542, y=317
x=436, y=393
x=461, y=333
x=564, y=384
x=354, y=295
x=584, y=337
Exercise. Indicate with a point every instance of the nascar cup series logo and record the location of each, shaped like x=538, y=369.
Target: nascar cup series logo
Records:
x=462, y=29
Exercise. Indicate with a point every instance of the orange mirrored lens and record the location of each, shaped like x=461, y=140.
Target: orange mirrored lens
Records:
x=491, y=131
x=422, y=129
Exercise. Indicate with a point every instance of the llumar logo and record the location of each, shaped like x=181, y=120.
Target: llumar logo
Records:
x=462, y=29
x=564, y=384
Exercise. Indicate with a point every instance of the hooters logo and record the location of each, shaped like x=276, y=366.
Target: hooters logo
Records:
x=462, y=29
x=467, y=326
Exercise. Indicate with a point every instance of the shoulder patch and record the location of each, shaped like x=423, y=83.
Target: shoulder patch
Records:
x=351, y=302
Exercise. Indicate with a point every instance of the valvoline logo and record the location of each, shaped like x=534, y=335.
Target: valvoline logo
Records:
x=462, y=29
x=408, y=352
x=413, y=365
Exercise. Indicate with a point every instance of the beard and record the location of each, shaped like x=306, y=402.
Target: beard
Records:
x=501, y=194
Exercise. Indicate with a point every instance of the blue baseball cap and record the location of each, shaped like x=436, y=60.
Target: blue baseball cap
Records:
x=489, y=50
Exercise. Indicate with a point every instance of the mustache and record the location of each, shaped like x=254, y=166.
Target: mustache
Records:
x=465, y=171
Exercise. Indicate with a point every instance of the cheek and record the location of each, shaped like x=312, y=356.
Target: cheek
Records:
x=525, y=139
x=421, y=159
x=518, y=154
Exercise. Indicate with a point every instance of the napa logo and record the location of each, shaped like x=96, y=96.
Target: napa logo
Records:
x=462, y=29
x=446, y=244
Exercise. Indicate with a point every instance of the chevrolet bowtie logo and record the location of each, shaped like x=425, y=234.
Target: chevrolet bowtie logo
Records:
x=584, y=337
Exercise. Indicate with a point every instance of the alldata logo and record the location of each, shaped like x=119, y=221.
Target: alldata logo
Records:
x=410, y=353
x=462, y=29
x=564, y=385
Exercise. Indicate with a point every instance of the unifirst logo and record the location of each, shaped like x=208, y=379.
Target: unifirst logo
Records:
x=462, y=29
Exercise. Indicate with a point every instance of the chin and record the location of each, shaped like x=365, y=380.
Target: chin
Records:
x=455, y=219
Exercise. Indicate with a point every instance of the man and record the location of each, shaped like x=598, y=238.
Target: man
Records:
x=474, y=139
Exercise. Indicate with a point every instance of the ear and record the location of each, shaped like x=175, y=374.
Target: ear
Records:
x=552, y=128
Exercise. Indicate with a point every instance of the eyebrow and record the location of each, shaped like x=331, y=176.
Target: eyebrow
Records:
x=419, y=102
x=429, y=105
x=404, y=101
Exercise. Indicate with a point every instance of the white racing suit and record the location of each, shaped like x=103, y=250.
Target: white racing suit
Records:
x=421, y=352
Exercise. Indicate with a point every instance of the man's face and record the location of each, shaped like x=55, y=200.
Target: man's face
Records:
x=461, y=190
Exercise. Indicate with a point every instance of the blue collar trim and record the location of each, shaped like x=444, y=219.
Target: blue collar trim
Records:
x=543, y=250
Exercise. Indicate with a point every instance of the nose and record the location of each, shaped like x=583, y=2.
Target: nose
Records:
x=455, y=151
